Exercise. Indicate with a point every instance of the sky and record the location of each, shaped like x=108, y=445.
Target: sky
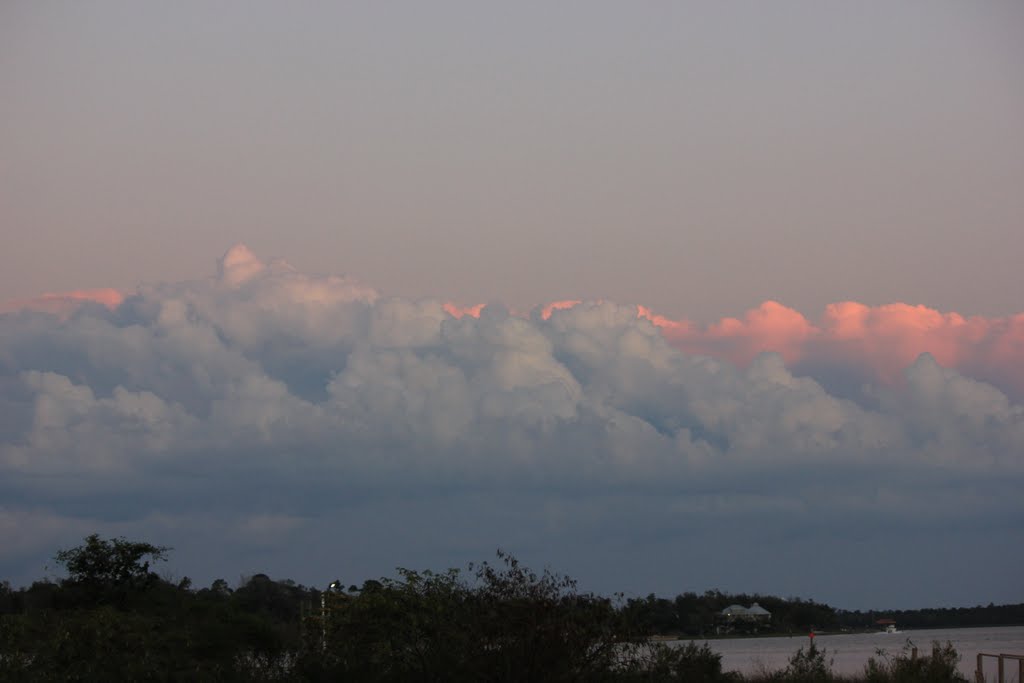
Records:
x=666, y=297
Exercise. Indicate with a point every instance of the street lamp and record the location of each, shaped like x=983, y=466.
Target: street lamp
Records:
x=335, y=586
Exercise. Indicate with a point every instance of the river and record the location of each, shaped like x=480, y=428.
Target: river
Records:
x=850, y=652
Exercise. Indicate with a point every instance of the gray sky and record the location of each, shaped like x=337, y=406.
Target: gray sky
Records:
x=697, y=158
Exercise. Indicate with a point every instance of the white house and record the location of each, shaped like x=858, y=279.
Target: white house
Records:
x=738, y=615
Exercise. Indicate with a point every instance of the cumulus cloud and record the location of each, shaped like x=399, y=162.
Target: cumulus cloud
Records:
x=850, y=342
x=871, y=344
x=284, y=409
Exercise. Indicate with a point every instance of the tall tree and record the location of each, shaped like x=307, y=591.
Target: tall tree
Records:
x=110, y=562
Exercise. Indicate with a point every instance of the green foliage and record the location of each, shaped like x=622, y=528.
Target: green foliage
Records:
x=805, y=666
x=810, y=666
x=395, y=629
x=903, y=667
x=540, y=625
x=690, y=663
x=188, y=639
x=938, y=617
x=106, y=563
x=109, y=561
x=506, y=624
x=98, y=644
x=114, y=619
x=699, y=615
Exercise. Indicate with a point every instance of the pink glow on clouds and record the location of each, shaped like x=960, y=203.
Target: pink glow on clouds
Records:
x=64, y=304
x=769, y=327
x=875, y=342
x=879, y=342
x=887, y=338
x=550, y=308
x=457, y=311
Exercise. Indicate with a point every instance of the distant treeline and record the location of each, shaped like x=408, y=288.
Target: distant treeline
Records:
x=696, y=615
x=701, y=615
x=114, y=618
x=938, y=617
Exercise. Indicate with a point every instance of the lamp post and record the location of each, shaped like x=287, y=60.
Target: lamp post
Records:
x=335, y=585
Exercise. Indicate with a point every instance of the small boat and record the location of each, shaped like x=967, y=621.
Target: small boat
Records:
x=888, y=625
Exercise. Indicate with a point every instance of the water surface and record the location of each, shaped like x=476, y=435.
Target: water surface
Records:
x=850, y=652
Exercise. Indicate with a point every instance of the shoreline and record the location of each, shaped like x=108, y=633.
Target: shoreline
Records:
x=669, y=637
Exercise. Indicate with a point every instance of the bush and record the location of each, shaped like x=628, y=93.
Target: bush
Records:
x=940, y=667
x=690, y=663
x=509, y=624
x=809, y=667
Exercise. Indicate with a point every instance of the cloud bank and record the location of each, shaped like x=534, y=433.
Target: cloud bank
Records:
x=269, y=420
x=869, y=345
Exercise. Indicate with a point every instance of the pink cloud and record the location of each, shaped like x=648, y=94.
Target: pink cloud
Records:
x=64, y=304
x=769, y=327
x=548, y=309
x=878, y=342
x=457, y=311
x=875, y=343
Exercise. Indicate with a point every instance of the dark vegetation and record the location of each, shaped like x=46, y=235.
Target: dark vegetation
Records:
x=696, y=615
x=690, y=614
x=115, y=618
x=941, y=617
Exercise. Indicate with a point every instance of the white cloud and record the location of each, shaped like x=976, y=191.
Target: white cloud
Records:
x=279, y=398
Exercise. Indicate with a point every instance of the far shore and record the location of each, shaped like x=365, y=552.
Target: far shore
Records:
x=668, y=637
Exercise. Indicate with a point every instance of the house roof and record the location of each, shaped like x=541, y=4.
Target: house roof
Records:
x=754, y=610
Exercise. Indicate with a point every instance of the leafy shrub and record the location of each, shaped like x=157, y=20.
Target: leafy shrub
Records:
x=689, y=662
x=940, y=667
x=805, y=666
x=509, y=624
